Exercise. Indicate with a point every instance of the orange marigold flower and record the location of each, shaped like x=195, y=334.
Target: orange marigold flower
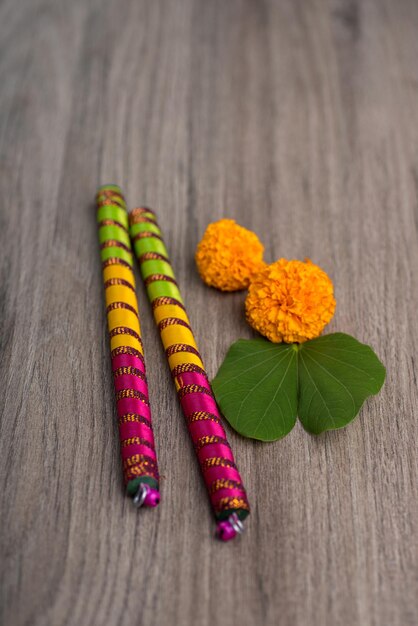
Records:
x=228, y=255
x=290, y=301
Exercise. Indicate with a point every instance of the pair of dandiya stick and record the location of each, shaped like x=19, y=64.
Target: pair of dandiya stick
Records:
x=117, y=232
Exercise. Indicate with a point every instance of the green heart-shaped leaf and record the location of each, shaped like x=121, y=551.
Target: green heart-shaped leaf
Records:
x=256, y=388
x=336, y=374
x=261, y=387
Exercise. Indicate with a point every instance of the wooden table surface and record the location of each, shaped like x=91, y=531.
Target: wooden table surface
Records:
x=300, y=120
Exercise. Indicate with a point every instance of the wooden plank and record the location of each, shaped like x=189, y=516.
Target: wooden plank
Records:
x=298, y=119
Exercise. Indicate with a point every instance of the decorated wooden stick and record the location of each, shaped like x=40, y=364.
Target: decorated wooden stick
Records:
x=134, y=416
x=223, y=481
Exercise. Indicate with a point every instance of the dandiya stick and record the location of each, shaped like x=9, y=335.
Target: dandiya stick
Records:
x=222, y=479
x=139, y=458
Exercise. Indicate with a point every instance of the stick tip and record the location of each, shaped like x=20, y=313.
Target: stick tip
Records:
x=230, y=528
x=146, y=496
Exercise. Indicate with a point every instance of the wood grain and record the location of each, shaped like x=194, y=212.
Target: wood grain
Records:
x=299, y=119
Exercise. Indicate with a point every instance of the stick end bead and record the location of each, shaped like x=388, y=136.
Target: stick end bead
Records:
x=152, y=498
x=230, y=528
x=146, y=496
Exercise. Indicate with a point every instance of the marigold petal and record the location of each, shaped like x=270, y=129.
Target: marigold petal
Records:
x=228, y=255
x=290, y=301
